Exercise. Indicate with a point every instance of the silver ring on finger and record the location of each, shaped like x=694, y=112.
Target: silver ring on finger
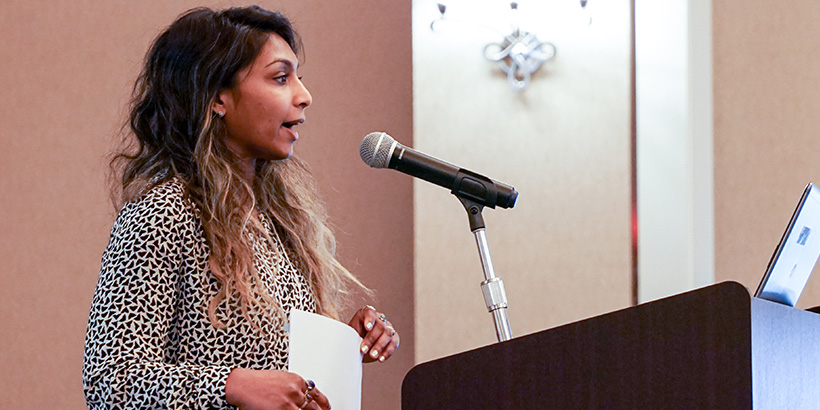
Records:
x=382, y=317
x=307, y=401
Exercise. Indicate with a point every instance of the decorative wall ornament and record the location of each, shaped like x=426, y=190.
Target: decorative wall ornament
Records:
x=520, y=54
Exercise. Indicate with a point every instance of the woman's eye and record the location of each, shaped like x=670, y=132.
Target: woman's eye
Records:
x=281, y=79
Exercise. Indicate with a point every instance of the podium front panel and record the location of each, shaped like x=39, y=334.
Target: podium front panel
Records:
x=690, y=351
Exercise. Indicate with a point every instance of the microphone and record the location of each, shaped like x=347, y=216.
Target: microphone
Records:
x=380, y=150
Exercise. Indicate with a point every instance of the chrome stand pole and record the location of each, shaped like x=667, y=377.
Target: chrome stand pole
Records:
x=493, y=288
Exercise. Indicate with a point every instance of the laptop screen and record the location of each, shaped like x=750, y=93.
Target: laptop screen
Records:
x=797, y=253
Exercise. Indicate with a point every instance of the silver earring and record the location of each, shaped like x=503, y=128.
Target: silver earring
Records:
x=219, y=114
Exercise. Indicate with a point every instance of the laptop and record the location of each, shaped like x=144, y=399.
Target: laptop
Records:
x=795, y=256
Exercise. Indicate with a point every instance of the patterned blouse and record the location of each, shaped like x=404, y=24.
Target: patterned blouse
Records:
x=149, y=342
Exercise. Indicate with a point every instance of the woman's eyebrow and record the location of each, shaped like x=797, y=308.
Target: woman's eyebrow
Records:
x=284, y=61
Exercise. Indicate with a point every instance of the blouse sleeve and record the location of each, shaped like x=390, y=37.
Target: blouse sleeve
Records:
x=129, y=361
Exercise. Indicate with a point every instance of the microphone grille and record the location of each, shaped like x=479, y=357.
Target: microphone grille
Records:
x=376, y=149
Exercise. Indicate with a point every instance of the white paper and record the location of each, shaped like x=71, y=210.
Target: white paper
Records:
x=327, y=351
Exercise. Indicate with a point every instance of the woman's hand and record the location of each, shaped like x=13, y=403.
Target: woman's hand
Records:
x=272, y=390
x=380, y=339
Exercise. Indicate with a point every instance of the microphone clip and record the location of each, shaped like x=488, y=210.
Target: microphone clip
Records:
x=483, y=190
x=474, y=210
x=475, y=187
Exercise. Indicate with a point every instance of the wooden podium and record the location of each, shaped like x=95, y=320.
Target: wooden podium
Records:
x=711, y=348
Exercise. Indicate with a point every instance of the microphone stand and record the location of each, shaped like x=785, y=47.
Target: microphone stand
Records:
x=493, y=288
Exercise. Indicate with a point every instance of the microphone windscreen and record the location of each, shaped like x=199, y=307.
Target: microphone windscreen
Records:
x=376, y=149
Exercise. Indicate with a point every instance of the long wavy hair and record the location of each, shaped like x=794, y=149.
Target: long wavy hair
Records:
x=177, y=136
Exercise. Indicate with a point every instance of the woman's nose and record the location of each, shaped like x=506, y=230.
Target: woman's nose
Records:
x=303, y=97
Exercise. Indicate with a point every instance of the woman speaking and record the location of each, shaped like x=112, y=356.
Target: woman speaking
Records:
x=220, y=232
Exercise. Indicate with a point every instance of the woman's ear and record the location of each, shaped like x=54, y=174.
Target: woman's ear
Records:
x=222, y=103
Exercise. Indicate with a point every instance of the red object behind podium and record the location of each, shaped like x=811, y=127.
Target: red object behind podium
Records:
x=711, y=348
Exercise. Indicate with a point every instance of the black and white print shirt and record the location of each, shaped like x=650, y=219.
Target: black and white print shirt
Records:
x=149, y=342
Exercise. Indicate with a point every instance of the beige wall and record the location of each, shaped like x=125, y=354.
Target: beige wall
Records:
x=767, y=147
x=66, y=70
x=564, y=251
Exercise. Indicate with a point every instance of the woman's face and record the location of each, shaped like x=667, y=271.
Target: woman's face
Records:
x=267, y=103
